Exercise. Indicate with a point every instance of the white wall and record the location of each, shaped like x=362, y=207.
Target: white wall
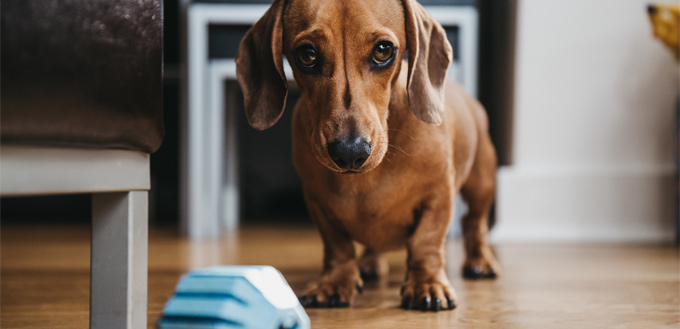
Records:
x=594, y=122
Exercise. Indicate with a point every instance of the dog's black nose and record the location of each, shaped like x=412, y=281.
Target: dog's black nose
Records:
x=349, y=153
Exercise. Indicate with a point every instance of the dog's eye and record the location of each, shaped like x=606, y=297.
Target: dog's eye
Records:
x=306, y=56
x=383, y=52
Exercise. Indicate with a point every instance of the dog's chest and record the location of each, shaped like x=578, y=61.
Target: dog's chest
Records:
x=376, y=209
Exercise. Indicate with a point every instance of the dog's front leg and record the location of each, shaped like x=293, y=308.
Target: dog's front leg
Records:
x=340, y=280
x=427, y=286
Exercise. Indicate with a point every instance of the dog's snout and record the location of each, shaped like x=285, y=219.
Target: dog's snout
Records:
x=349, y=153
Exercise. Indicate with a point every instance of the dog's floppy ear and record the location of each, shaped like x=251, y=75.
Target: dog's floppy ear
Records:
x=429, y=56
x=259, y=68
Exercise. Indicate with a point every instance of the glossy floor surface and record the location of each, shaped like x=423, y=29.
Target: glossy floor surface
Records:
x=45, y=281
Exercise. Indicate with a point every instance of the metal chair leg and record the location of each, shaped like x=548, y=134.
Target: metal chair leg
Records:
x=118, y=275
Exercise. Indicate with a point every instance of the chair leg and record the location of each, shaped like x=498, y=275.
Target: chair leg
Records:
x=118, y=274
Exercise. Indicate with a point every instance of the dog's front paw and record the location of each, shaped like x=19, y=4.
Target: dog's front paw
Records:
x=434, y=294
x=481, y=268
x=333, y=290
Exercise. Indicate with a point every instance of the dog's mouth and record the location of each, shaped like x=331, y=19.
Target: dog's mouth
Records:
x=351, y=172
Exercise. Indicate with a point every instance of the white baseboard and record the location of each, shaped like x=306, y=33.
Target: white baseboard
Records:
x=585, y=205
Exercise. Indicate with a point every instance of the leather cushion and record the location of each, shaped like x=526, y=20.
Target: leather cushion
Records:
x=82, y=72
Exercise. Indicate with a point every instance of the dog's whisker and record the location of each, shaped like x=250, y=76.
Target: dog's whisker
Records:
x=401, y=131
x=386, y=157
x=398, y=148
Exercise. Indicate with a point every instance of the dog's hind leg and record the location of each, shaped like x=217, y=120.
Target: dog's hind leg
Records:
x=478, y=192
x=373, y=266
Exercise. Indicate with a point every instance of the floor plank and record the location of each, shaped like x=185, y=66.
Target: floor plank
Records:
x=44, y=281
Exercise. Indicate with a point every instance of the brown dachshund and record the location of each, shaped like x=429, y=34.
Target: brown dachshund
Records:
x=382, y=146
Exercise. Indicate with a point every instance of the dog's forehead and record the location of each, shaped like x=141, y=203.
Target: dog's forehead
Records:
x=327, y=17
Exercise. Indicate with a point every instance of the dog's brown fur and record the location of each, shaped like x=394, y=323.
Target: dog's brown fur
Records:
x=403, y=194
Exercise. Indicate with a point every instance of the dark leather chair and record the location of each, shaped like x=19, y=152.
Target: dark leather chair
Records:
x=81, y=112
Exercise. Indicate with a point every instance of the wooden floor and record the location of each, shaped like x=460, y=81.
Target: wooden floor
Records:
x=45, y=281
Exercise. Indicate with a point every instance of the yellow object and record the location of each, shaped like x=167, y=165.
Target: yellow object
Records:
x=666, y=25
